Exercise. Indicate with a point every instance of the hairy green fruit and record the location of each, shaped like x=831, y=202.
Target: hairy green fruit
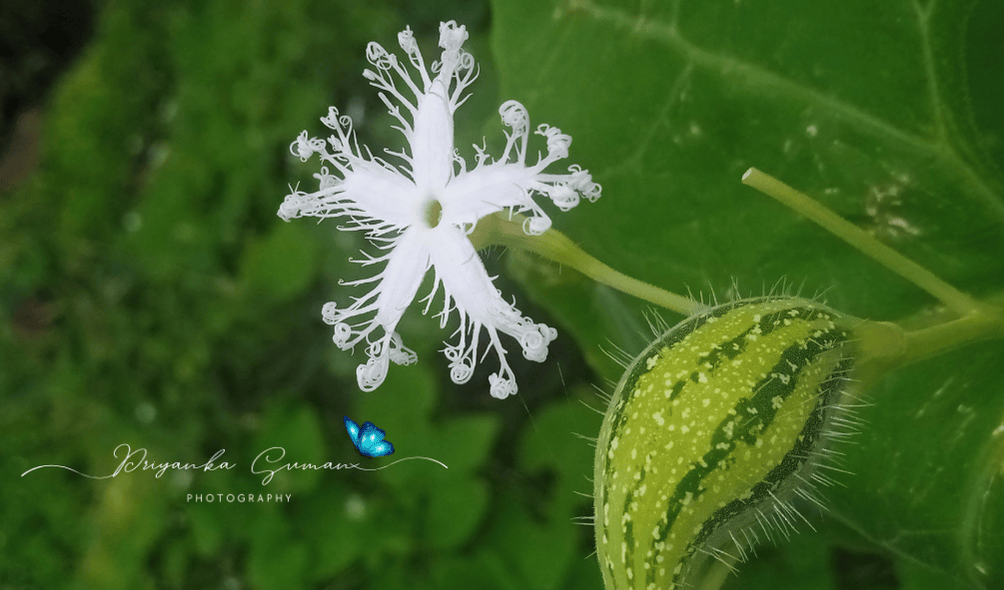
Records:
x=711, y=431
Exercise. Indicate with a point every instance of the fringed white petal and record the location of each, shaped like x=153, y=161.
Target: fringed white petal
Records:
x=432, y=141
x=374, y=198
x=497, y=186
x=379, y=311
x=510, y=183
x=419, y=212
x=469, y=291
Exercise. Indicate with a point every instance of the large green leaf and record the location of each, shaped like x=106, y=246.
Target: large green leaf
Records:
x=879, y=110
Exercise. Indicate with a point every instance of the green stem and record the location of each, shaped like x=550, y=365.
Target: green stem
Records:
x=927, y=342
x=553, y=245
x=853, y=235
x=883, y=346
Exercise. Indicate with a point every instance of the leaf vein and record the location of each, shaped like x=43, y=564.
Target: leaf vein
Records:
x=756, y=77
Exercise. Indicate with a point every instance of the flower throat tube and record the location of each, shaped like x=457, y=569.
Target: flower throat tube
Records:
x=421, y=210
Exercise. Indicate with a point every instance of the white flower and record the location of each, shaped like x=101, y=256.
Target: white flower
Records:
x=420, y=212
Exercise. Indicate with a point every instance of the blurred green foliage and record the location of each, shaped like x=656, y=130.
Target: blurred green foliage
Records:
x=149, y=295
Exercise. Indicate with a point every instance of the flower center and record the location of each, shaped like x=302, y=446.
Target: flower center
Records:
x=433, y=213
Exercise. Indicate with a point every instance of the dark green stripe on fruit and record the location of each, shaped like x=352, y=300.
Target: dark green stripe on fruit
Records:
x=702, y=401
x=691, y=486
x=718, y=353
x=794, y=459
x=669, y=339
x=806, y=444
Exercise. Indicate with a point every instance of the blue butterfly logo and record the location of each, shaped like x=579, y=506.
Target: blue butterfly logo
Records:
x=368, y=439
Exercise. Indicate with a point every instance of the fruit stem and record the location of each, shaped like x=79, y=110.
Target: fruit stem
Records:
x=507, y=230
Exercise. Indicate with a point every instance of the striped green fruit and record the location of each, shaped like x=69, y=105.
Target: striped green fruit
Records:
x=711, y=432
